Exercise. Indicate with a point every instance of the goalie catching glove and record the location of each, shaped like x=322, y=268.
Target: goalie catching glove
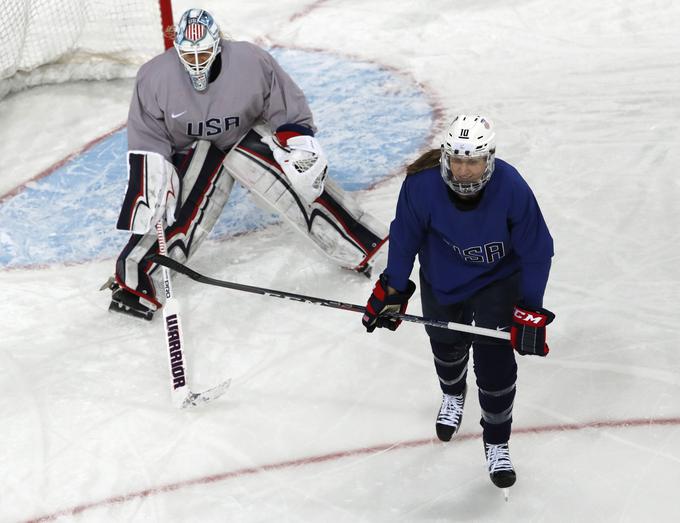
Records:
x=527, y=334
x=382, y=302
x=301, y=159
x=153, y=192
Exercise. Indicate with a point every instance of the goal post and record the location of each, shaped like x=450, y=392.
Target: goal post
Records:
x=49, y=41
x=167, y=23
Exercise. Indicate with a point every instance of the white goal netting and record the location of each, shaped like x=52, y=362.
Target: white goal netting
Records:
x=48, y=41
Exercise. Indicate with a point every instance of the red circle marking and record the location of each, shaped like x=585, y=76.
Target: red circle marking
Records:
x=324, y=458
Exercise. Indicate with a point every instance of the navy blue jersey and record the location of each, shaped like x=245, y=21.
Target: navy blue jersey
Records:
x=462, y=251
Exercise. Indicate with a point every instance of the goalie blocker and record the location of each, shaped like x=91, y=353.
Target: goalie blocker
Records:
x=334, y=221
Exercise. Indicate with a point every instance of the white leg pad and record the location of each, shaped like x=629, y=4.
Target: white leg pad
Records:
x=334, y=222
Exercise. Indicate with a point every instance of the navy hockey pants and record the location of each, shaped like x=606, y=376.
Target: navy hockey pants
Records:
x=494, y=359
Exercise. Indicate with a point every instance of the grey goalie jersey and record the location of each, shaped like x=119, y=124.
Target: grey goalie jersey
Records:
x=167, y=115
x=222, y=129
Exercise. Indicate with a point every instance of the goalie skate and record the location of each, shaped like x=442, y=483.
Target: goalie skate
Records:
x=125, y=302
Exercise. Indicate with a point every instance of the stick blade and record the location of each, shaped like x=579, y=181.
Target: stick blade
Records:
x=195, y=399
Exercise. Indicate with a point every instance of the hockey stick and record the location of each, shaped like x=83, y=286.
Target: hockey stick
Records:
x=182, y=396
x=183, y=269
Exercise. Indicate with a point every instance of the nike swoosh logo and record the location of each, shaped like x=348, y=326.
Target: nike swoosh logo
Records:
x=502, y=328
x=173, y=115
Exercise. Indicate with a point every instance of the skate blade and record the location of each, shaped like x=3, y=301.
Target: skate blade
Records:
x=109, y=284
x=124, y=309
x=506, y=493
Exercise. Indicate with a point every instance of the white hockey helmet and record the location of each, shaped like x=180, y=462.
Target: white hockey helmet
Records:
x=468, y=136
x=197, y=41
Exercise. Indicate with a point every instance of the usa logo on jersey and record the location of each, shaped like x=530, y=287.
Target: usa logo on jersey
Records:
x=194, y=31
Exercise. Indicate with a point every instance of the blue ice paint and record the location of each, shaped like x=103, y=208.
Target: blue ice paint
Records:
x=369, y=118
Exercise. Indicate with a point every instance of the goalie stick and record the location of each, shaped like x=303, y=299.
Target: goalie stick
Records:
x=169, y=263
x=182, y=396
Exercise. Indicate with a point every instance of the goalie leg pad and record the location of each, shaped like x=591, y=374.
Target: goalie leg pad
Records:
x=206, y=187
x=334, y=222
x=351, y=221
x=153, y=189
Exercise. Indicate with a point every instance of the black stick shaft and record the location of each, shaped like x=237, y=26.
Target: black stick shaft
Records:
x=183, y=269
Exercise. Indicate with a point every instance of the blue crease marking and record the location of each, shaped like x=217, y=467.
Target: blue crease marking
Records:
x=370, y=121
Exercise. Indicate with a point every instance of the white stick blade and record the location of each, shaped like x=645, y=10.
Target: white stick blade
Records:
x=194, y=399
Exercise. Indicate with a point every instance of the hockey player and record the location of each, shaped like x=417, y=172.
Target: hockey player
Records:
x=207, y=112
x=485, y=254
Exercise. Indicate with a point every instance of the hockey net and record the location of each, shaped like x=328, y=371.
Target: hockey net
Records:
x=51, y=41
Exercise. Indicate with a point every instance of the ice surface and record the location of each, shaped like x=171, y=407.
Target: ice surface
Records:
x=325, y=422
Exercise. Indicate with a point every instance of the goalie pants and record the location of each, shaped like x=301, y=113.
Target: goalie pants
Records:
x=494, y=359
x=334, y=222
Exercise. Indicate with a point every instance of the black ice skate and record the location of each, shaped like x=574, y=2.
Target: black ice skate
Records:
x=500, y=467
x=450, y=415
x=125, y=302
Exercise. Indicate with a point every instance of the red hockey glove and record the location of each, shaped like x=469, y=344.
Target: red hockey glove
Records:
x=527, y=335
x=380, y=303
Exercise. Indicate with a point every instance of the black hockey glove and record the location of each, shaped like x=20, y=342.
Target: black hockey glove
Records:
x=527, y=335
x=381, y=302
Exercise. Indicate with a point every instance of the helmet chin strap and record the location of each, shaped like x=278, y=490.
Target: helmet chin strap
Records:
x=465, y=202
x=469, y=196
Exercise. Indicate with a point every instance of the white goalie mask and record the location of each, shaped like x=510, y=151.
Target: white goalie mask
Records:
x=470, y=138
x=197, y=41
